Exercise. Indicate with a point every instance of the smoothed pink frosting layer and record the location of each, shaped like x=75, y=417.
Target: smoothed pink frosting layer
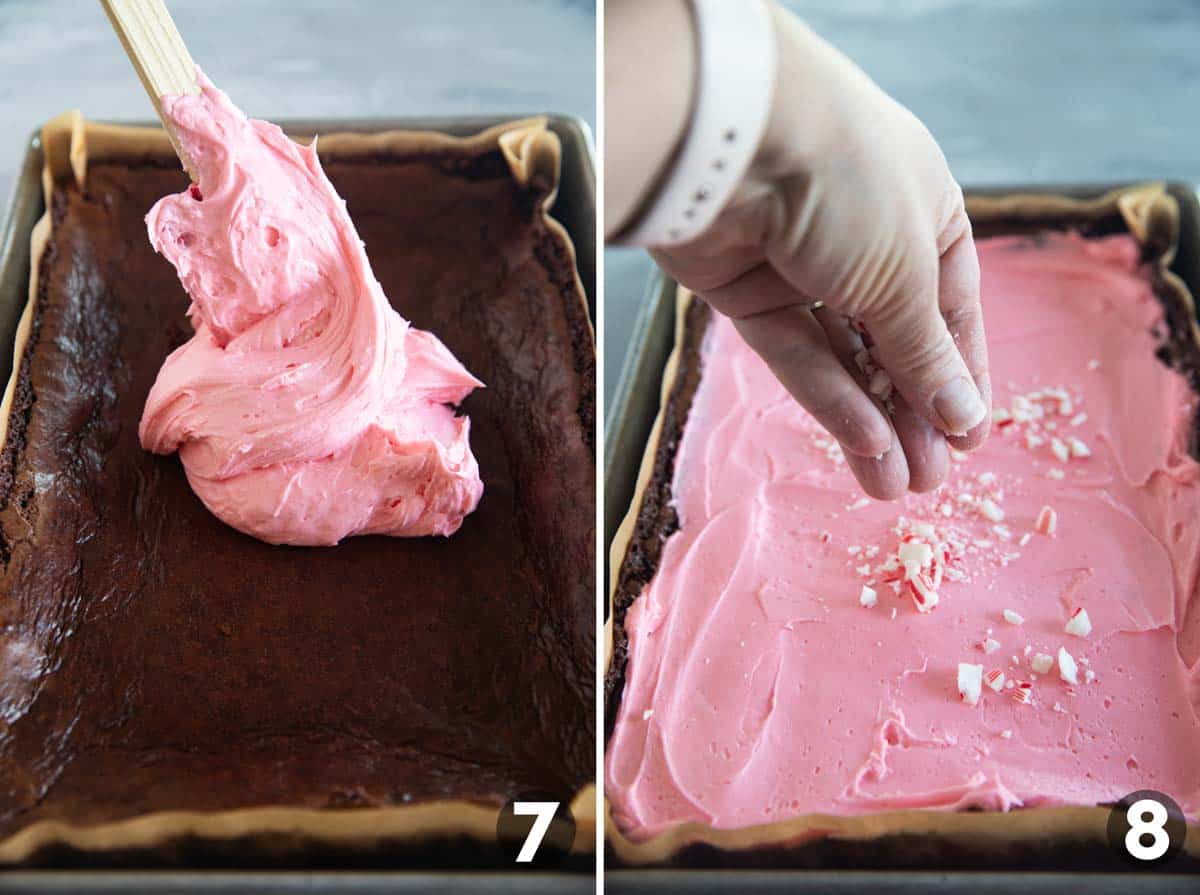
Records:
x=759, y=685
x=305, y=409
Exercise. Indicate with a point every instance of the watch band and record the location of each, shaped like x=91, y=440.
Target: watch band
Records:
x=736, y=62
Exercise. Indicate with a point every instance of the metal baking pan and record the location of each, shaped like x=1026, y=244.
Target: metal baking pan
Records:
x=628, y=423
x=575, y=209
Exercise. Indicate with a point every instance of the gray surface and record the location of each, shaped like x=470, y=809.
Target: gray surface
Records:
x=1016, y=91
x=290, y=883
x=307, y=59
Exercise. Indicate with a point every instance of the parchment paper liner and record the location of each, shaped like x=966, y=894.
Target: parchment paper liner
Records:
x=1151, y=215
x=69, y=142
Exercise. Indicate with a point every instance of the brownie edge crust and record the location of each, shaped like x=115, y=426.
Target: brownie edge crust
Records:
x=156, y=660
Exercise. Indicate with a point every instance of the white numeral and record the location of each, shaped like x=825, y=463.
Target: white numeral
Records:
x=1155, y=827
x=543, y=814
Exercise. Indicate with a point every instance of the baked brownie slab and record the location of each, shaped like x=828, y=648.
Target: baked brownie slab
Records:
x=155, y=659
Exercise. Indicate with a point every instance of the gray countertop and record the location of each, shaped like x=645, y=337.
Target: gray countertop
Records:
x=307, y=59
x=1016, y=91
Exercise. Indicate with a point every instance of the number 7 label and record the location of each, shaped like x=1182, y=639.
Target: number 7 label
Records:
x=543, y=815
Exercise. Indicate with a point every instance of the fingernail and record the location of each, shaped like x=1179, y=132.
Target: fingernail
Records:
x=959, y=406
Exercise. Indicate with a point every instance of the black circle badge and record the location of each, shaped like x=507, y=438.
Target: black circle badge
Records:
x=1146, y=828
x=536, y=830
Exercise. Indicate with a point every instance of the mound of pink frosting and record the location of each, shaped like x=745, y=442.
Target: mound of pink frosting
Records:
x=304, y=409
x=759, y=685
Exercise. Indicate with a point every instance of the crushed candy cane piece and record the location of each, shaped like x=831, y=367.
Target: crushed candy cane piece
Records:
x=1042, y=663
x=1006, y=734
x=915, y=552
x=864, y=570
x=1001, y=417
x=1079, y=419
x=1079, y=448
x=1025, y=539
x=1022, y=692
x=970, y=682
x=990, y=511
x=1047, y=521
x=1067, y=669
x=1055, y=473
x=867, y=597
x=995, y=679
x=1059, y=448
x=1013, y=618
x=989, y=645
x=1079, y=625
x=880, y=384
x=1088, y=675
x=924, y=597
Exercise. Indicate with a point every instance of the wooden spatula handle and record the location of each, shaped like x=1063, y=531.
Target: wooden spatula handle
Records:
x=157, y=52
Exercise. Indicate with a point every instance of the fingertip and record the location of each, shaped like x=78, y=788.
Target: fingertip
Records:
x=871, y=440
x=972, y=440
x=884, y=477
x=931, y=473
x=959, y=406
x=978, y=434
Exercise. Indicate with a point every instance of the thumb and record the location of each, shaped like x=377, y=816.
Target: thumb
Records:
x=914, y=344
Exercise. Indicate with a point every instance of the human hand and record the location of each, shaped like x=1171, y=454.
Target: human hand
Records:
x=849, y=203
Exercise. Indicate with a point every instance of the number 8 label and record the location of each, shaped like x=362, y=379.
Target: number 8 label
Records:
x=1146, y=828
x=1140, y=826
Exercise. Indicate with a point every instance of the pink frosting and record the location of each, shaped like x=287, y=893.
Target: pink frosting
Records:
x=304, y=408
x=758, y=686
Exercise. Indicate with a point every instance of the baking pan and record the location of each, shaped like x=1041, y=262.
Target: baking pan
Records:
x=629, y=421
x=575, y=209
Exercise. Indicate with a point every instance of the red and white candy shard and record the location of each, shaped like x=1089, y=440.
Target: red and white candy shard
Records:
x=1023, y=692
x=1079, y=625
x=1013, y=618
x=1047, y=521
x=1041, y=663
x=970, y=682
x=917, y=567
x=990, y=645
x=923, y=595
x=995, y=679
x=867, y=597
x=1067, y=669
